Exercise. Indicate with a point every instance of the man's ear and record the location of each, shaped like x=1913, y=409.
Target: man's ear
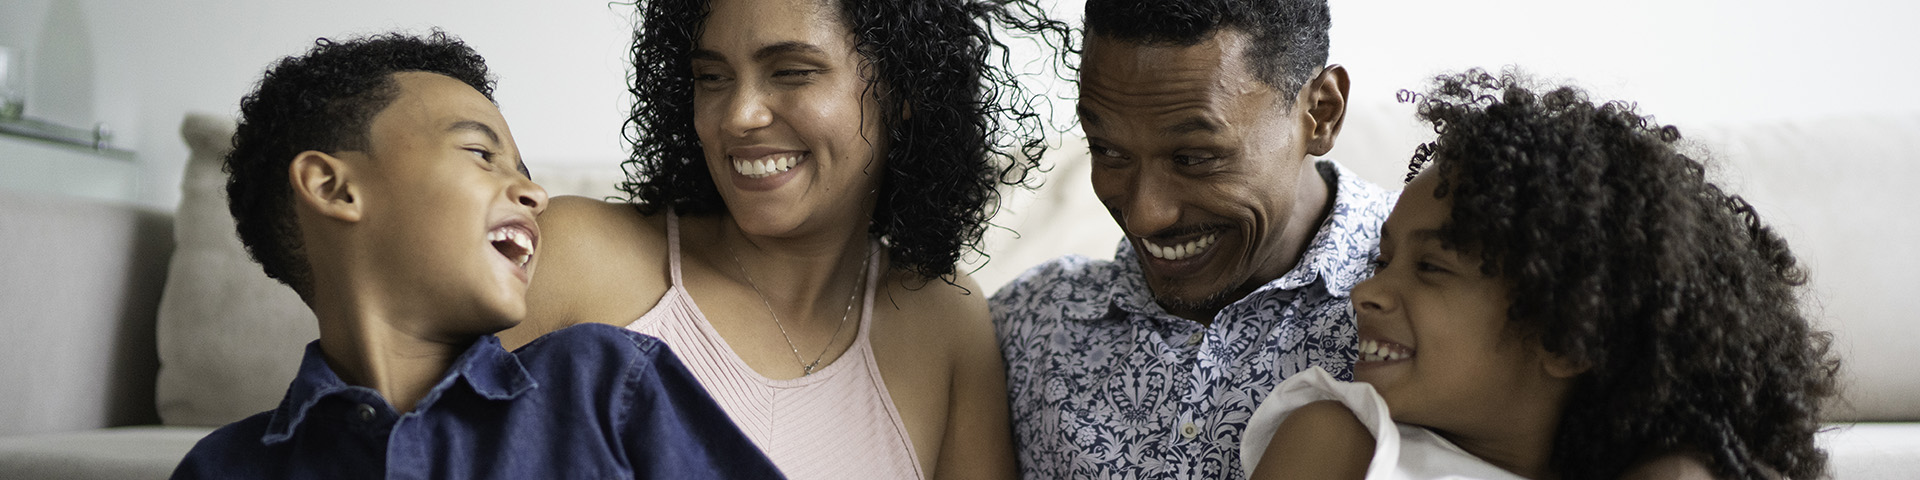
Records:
x=1325, y=99
x=325, y=184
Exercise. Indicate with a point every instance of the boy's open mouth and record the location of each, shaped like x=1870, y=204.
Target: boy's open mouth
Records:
x=513, y=241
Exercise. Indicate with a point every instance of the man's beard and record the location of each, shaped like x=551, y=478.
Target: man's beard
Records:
x=1211, y=303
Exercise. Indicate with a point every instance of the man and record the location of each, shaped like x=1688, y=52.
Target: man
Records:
x=1205, y=119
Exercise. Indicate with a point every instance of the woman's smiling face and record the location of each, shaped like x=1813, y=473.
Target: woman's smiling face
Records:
x=786, y=115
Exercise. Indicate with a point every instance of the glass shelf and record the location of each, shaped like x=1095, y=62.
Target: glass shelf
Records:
x=98, y=140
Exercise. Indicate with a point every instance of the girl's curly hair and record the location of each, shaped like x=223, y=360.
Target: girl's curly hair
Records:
x=973, y=126
x=1622, y=256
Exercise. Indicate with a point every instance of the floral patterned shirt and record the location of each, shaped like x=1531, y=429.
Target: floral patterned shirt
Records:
x=1105, y=384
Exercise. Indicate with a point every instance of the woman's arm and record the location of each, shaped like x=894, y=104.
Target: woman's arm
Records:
x=979, y=436
x=1320, y=440
x=594, y=262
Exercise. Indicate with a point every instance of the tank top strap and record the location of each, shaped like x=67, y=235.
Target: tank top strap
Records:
x=673, y=246
x=874, y=251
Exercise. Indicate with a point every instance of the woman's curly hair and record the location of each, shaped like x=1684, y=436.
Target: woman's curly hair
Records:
x=324, y=100
x=973, y=126
x=1622, y=256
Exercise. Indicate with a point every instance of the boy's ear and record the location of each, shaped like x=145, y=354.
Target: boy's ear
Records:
x=325, y=184
x=1561, y=366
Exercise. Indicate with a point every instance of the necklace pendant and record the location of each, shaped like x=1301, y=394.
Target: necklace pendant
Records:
x=808, y=370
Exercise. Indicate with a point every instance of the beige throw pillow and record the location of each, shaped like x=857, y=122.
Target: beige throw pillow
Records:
x=230, y=339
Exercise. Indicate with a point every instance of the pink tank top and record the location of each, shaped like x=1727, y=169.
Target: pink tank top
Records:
x=837, y=423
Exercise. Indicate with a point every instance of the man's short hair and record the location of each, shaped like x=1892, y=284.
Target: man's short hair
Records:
x=1289, y=37
x=322, y=101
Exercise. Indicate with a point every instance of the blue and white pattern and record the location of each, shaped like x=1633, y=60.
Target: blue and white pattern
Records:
x=1105, y=384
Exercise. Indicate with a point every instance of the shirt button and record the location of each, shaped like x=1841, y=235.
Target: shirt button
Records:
x=1195, y=339
x=366, y=412
x=1189, y=430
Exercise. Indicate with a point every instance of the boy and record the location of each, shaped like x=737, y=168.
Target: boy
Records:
x=376, y=178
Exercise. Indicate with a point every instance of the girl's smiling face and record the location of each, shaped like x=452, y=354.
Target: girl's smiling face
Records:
x=1435, y=339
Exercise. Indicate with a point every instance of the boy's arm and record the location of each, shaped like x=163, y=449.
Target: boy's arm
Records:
x=674, y=430
x=1320, y=440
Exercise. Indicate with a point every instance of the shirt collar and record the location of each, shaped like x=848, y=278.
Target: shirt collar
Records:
x=490, y=372
x=1341, y=252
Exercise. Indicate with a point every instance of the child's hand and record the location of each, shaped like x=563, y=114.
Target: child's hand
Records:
x=1320, y=440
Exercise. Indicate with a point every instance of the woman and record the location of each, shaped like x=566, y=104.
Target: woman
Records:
x=805, y=175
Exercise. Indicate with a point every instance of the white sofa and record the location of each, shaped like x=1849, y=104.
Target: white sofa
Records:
x=130, y=333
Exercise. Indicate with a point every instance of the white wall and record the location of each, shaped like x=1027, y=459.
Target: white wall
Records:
x=139, y=65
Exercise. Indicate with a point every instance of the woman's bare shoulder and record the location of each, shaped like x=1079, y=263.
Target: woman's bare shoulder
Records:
x=937, y=307
x=592, y=260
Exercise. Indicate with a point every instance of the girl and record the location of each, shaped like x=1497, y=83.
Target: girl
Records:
x=1560, y=293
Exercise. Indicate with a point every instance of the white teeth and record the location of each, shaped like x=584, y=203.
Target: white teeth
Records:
x=1374, y=351
x=521, y=238
x=1181, y=251
x=766, y=167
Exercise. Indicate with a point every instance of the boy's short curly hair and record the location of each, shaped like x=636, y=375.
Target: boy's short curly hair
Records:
x=974, y=125
x=1621, y=255
x=324, y=100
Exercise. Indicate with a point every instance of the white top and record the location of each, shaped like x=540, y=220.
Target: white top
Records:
x=1400, y=452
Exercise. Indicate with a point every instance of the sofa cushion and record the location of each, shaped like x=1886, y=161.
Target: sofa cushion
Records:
x=126, y=452
x=79, y=299
x=229, y=337
x=1871, y=450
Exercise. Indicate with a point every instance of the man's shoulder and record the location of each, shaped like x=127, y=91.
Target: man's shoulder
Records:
x=1068, y=270
x=1068, y=283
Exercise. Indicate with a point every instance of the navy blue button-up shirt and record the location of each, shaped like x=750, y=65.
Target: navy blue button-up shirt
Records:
x=589, y=401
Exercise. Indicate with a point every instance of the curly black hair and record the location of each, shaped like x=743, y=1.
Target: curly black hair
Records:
x=322, y=101
x=973, y=126
x=1622, y=256
x=1289, y=37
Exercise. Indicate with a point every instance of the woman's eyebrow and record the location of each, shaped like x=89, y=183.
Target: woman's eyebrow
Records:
x=786, y=47
x=763, y=53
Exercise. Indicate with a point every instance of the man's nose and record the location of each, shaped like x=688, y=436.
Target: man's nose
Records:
x=1152, y=204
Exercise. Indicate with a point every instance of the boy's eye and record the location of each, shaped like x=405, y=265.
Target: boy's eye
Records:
x=1429, y=267
x=485, y=156
x=1100, y=151
x=797, y=72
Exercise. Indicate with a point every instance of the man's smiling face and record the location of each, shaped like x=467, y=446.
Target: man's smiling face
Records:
x=1199, y=161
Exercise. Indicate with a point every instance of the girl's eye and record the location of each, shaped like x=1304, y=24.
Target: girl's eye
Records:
x=1100, y=151
x=1429, y=267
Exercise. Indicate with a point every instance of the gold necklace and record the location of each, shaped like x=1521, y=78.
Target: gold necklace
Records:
x=805, y=367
